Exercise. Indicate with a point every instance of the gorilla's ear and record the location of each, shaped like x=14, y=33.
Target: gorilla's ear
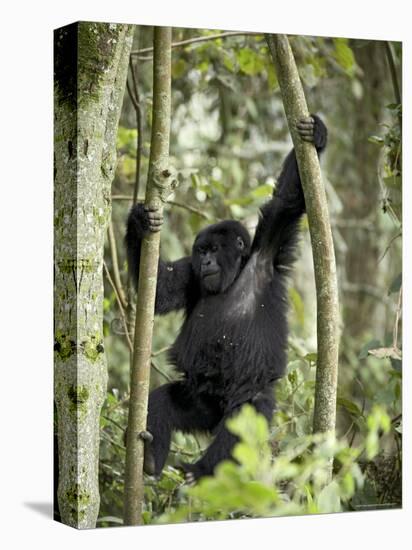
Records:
x=239, y=243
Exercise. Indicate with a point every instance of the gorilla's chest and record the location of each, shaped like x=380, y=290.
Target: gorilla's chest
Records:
x=209, y=327
x=224, y=344
x=210, y=341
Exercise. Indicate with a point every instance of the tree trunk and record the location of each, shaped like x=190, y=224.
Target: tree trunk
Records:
x=157, y=191
x=321, y=237
x=91, y=61
x=363, y=195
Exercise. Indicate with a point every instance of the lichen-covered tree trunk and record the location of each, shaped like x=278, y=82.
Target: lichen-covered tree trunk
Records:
x=160, y=179
x=91, y=61
x=321, y=237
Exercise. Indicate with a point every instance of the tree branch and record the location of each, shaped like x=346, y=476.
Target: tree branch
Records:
x=115, y=265
x=158, y=189
x=321, y=237
x=192, y=209
x=138, y=109
x=198, y=39
x=392, y=68
x=119, y=301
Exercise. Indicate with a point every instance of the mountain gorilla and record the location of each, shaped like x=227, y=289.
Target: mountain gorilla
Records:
x=232, y=346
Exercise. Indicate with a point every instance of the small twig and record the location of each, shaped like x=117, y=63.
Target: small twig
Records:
x=392, y=68
x=121, y=428
x=138, y=109
x=111, y=469
x=193, y=209
x=110, y=440
x=115, y=329
x=159, y=370
x=386, y=206
x=115, y=264
x=122, y=197
x=392, y=212
x=397, y=317
x=363, y=396
x=198, y=39
x=346, y=434
x=122, y=313
x=389, y=245
x=178, y=450
x=144, y=57
x=133, y=99
x=120, y=403
x=355, y=224
x=371, y=290
x=160, y=351
x=356, y=429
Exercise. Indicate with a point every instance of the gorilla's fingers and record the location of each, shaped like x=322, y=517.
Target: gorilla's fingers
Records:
x=155, y=219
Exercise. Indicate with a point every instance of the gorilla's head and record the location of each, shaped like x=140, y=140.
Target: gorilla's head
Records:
x=219, y=253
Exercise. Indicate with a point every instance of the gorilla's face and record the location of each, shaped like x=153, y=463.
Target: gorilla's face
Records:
x=219, y=253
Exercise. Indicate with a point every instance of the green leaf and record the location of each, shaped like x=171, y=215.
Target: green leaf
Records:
x=344, y=55
x=250, y=63
x=328, y=500
x=229, y=61
x=319, y=65
x=179, y=68
x=272, y=78
x=250, y=426
x=376, y=421
x=237, y=211
x=376, y=139
x=247, y=456
x=349, y=406
x=348, y=484
x=126, y=139
x=393, y=106
x=262, y=191
x=393, y=182
x=311, y=357
x=384, y=353
x=203, y=66
x=110, y=519
x=298, y=305
x=396, y=284
x=363, y=354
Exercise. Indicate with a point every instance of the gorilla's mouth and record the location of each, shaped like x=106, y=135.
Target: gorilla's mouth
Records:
x=209, y=273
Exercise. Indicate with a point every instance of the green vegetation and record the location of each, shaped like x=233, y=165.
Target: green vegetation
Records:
x=228, y=137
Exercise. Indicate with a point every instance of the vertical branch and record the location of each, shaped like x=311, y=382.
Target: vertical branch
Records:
x=392, y=68
x=397, y=317
x=158, y=188
x=115, y=263
x=135, y=98
x=321, y=237
x=138, y=109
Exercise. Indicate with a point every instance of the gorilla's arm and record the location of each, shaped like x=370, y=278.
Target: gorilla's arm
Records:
x=176, y=287
x=277, y=230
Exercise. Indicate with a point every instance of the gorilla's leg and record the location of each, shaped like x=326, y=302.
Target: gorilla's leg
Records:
x=172, y=407
x=224, y=441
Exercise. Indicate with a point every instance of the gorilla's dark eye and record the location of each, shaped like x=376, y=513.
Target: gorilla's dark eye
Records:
x=240, y=243
x=214, y=248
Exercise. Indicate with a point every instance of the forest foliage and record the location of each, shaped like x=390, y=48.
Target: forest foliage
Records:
x=228, y=138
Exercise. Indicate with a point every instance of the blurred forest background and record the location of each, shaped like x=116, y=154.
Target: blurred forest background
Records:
x=229, y=137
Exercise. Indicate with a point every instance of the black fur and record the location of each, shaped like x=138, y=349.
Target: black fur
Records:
x=232, y=345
